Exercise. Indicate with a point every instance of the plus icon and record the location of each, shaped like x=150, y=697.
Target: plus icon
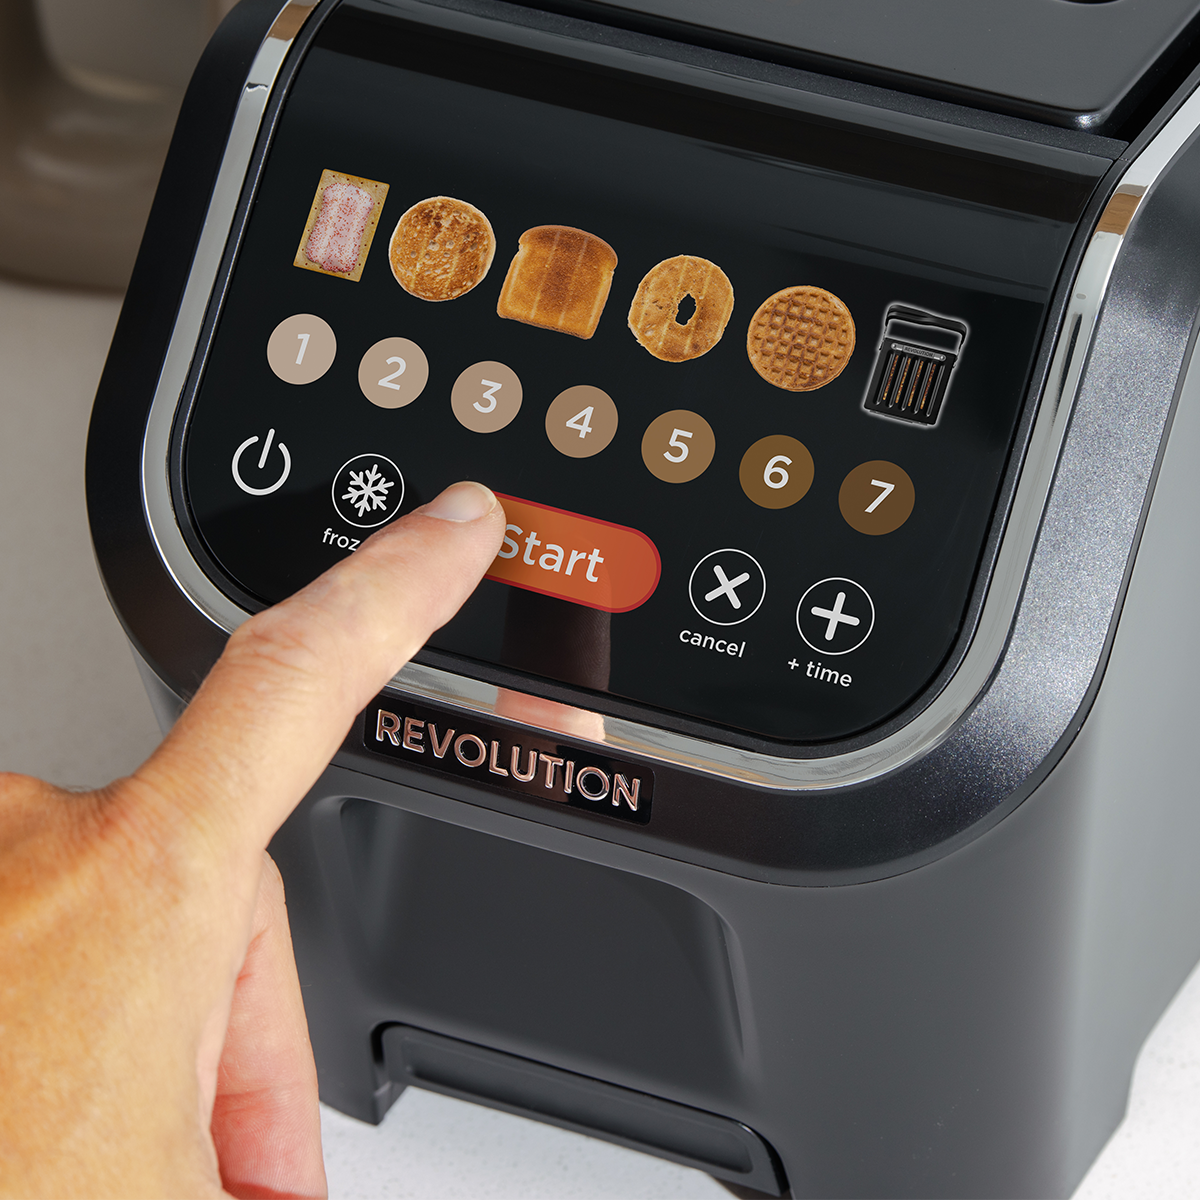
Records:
x=835, y=616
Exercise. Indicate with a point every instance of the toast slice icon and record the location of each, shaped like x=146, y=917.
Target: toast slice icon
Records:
x=559, y=279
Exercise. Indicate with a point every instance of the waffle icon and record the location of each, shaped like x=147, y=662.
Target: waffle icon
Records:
x=801, y=338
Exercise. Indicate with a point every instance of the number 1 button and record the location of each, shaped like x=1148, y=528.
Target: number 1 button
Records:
x=393, y=372
x=301, y=349
x=486, y=397
x=581, y=421
x=877, y=497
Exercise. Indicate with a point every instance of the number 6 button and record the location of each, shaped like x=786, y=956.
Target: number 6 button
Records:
x=776, y=471
x=678, y=446
x=877, y=497
x=486, y=397
x=393, y=372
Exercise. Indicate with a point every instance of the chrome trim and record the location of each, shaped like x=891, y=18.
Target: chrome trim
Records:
x=189, y=321
x=927, y=730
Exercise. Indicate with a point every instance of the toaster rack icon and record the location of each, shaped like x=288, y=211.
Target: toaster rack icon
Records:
x=916, y=358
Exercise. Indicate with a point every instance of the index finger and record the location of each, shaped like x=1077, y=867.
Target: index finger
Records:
x=281, y=698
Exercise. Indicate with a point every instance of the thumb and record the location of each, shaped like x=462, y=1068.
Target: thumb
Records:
x=281, y=698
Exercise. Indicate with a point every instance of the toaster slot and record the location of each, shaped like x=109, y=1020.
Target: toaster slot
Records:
x=911, y=376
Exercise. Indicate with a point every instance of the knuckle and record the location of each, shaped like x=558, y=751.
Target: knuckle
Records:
x=291, y=639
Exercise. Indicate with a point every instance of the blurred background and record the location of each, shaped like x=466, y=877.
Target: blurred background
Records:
x=88, y=95
x=89, y=90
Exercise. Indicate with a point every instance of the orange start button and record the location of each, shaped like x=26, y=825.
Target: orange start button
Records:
x=558, y=553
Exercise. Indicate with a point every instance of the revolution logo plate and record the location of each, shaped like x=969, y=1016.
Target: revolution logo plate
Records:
x=515, y=760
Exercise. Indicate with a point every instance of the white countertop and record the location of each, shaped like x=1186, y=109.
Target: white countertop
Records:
x=72, y=710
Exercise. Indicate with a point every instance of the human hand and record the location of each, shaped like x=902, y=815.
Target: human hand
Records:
x=152, y=1034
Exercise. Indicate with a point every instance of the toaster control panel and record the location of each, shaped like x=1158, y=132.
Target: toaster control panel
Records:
x=748, y=415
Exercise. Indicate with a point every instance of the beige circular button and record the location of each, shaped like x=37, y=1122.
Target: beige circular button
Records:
x=393, y=372
x=486, y=397
x=581, y=421
x=301, y=349
x=776, y=471
x=877, y=497
x=678, y=446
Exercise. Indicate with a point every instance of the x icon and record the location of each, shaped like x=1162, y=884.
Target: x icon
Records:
x=727, y=587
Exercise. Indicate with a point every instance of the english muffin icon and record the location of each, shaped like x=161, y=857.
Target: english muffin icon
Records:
x=441, y=248
x=559, y=279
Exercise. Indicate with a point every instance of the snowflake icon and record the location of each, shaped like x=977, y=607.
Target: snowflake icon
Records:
x=368, y=490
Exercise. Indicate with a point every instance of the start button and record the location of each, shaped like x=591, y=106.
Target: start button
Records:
x=595, y=563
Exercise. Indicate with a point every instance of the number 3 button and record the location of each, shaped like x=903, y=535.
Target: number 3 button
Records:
x=581, y=421
x=393, y=372
x=678, y=446
x=486, y=397
x=877, y=497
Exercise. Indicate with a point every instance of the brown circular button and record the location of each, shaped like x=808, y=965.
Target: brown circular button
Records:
x=877, y=497
x=486, y=397
x=581, y=421
x=678, y=446
x=776, y=471
x=301, y=349
x=393, y=372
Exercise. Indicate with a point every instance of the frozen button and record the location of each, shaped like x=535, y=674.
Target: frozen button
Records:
x=590, y=562
x=368, y=491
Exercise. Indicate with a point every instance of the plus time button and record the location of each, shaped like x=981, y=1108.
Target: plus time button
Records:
x=835, y=616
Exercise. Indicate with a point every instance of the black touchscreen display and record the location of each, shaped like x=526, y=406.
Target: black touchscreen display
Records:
x=748, y=413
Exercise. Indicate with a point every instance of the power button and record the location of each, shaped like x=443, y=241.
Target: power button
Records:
x=263, y=466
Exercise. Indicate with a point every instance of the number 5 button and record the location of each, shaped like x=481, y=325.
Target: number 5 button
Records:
x=393, y=372
x=486, y=397
x=877, y=497
x=678, y=446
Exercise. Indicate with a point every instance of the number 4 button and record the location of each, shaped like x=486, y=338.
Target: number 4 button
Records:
x=877, y=497
x=581, y=421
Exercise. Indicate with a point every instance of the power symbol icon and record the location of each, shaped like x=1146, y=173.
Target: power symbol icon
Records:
x=262, y=463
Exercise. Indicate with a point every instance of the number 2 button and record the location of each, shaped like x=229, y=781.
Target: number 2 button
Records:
x=301, y=349
x=486, y=397
x=393, y=372
x=581, y=421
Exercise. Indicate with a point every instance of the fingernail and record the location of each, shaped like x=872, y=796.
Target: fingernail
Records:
x=461, y=502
